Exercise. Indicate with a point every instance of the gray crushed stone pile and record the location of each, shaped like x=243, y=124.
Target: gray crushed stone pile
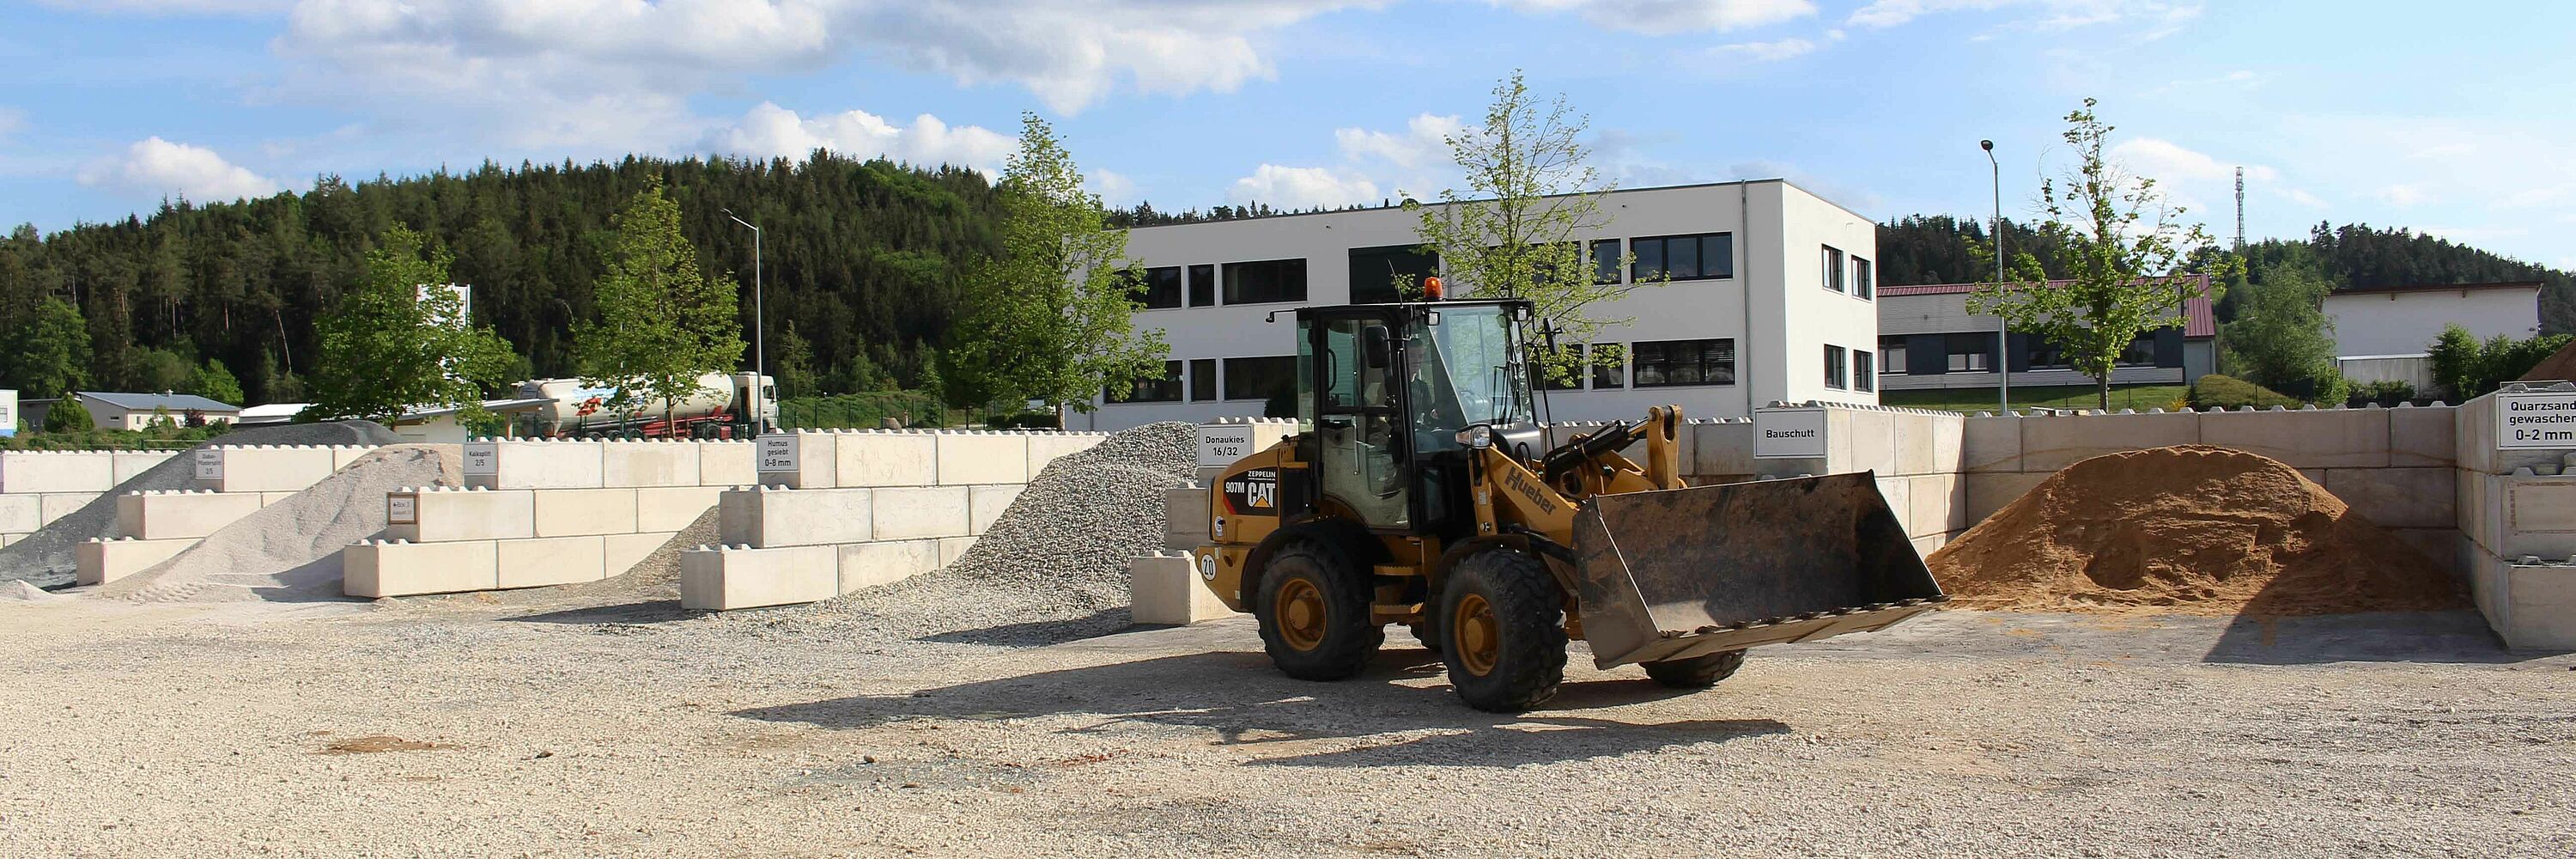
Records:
x=45, y=559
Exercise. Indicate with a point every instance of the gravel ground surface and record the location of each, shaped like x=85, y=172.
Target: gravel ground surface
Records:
x=44, y=558
x=450, y=730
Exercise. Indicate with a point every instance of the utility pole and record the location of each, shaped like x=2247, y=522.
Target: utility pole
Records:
x=759, y=327
x=2003, y=328
x=2240, y=210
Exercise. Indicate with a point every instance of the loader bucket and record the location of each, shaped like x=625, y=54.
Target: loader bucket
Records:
x=1677, y=573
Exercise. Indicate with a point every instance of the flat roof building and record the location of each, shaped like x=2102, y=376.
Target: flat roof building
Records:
x=1770, y=296
x=1929, y=340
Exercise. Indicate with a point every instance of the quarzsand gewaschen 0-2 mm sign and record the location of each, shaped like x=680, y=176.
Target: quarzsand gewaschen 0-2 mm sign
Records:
x=2535, y=420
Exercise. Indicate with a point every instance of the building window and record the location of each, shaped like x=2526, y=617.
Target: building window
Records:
x=1833, y=268
x=2045, y=355
x=1684, y=362
x=1260, y=378
x=1149, y=390
x=1864, y=374
x=1376, y=271
x=1864, y=278
x=1706, y=256
x=1202, y=378
x=1265, y=282
x=1157, y=288
x=1971, y=353
x=1202, y=286
x=1837, y=375
x=1569, y=352
x=1609, y=375
x=1892, y=350
x=1605, y=261
x=2141, y=352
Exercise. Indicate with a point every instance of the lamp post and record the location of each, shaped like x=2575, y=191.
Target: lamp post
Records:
x=2003, y=329
x=759, y=324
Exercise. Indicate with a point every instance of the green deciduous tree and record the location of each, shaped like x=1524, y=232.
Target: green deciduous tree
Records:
x=2465, y=367
x=662, y=321
x=69, y=415
x=391, y=345
x=214, y=381
x=1049, y=316
x=2122, y=248
x=2281, y=338
x=47, y=353
x=1513, y=232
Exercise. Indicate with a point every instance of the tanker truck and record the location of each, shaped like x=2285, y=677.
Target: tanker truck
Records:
x=716, y=410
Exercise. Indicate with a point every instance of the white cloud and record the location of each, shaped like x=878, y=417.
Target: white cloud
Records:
x=2403, y=194
x=1301, y=188
x=771, y=131
x=1424, y=140
x=2167, y=161
x=2162, y=16
x=157, y=167
x=2304, y=198
x=1115, y=189
x=176, y=7
x=1764, y=52
x=1674, y=16
x=11, y=120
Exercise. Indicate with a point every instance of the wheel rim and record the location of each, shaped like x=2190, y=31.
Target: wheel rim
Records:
x=1478, y=637
x=1301, y=614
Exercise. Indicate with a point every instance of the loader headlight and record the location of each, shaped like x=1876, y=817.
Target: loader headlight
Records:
x=1478, y=437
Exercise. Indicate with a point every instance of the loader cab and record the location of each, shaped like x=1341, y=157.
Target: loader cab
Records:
x=1387, y=388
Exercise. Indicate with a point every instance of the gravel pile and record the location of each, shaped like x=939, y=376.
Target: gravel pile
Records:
x=1052, y=568
x=290, y=550
x=45, y=559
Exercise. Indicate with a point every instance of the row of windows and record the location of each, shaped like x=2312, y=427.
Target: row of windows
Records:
x=1974, y=353
x=1254, y=378
x=1256, y=282
x=1854, y=275
x=1702, y=256
x=1850, y=369
x=1648, y=364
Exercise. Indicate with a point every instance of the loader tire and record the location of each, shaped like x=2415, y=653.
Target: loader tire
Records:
x=1314, y=614
x=1697, y=672
x=1502, y=624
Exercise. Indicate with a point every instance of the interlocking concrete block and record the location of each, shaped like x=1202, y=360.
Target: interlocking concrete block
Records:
x=1723, y=449
x=1927, y=544
x=1186, y=509
x=535, y=463
x=906, y=513
x=1988, y=493
x=2543, y=612
x=1898, y=491
x=1940, y=503
x=268, y=498
x=2398, y=497
x=343, y=454
x=1991, y=444
x=1920, y=441
x=2538, y=517
x=2320, y=438
x=737, y=577
x=727, y=463
x=952, y=548
x=800, y=460
x=441, y=515
x=101, y=561
x=55, y=505
x=21, y=514
x=172, y=515
x=985, y=505
x=969, y=458
x=672, y=508
x=584, y=512
x=877, y=458
x=38, y=471
x=649, y=463
x=2052, y=442
x=124, y=465
x=1165, y=589
x=269, y=468
x=1046, y=448
x=1866, y=439
x=550, y=561
x=867, y=565
x=2423, y=437
x=770, y=517
x=389, y=568
x=621, y=552
x=6, y=539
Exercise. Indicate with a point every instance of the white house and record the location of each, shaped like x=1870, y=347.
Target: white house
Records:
x=112, y=410
x=1928, y=339
x=2387, y=333
x=1770, y=296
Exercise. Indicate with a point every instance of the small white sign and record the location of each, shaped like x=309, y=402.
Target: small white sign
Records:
x=210, y=464
x=1789, y=434
x=1222, y=444
x=778, y=453
x=402, y=509
x=482, y=458
x=2536, y=421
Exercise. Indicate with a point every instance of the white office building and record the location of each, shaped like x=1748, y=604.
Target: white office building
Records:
x=1769, y=295
x=2386, y=333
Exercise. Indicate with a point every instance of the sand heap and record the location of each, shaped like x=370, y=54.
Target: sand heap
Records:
x=2190, y=529
x=290, y=550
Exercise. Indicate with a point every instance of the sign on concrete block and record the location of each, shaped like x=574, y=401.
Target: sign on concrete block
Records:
x=482, y=458
x=1222, y=444
x=1789, y=434
x=2536, y=420
x=402, y=509
x=778, y=453
x=210, y=464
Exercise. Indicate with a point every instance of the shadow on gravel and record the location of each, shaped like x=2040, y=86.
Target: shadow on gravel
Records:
x=2459, y=637
x=653, y=611
x=1039, y=632
x=1240, y=698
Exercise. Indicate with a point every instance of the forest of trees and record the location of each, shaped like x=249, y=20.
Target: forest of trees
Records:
x=862, y=283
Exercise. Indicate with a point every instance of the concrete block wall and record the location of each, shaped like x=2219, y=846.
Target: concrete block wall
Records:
x=1917, y=456
x=2517, y=515
x=271, y=468
x=866, y=536
x=856, y=459
x=192, y=514
x=1165, y=589
x=39, y=472
x=534, y=537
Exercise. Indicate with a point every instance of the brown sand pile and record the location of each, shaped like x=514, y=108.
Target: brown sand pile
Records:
x=2190, y=529
x=2560, y=366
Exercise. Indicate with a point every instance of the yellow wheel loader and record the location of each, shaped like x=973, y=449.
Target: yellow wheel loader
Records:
x=1420, y=491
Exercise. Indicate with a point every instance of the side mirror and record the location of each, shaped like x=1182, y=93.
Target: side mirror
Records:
x=1375, y=347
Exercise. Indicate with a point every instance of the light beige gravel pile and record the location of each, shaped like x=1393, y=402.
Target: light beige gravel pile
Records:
x=290, y=550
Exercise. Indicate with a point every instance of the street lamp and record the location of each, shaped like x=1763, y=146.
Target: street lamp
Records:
x=2003, y=329
x=759, y=323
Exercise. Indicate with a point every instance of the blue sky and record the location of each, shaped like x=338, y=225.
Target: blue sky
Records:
x=2451, y=120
